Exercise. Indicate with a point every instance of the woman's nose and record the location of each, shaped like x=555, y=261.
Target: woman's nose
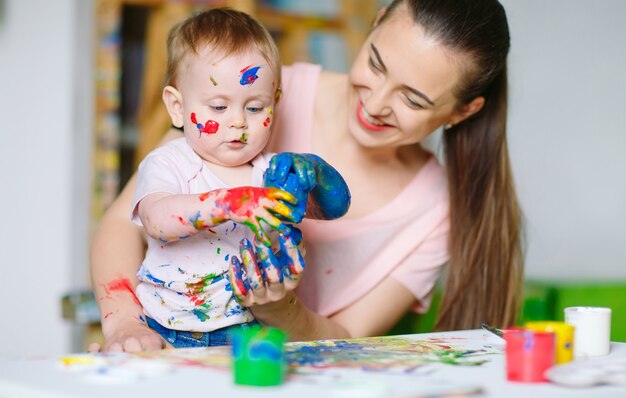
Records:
x=377, y=102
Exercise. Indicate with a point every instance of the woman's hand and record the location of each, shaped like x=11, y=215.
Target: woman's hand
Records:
x=262, y=277
x=302, y=165
x=295, y=174
x=317, y=186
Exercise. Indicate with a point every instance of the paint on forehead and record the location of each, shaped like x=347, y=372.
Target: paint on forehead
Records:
x=213, y=80
x=210, y=127
x=248, y=75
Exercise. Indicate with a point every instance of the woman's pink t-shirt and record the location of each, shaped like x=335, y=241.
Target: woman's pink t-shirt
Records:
x=406, y=239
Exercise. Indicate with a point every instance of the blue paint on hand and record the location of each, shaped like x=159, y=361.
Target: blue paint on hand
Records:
x=310, y=179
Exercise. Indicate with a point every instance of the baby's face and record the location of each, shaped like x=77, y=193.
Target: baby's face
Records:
x=228, y=105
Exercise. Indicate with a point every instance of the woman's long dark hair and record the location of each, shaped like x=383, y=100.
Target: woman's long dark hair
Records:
x=485, y=272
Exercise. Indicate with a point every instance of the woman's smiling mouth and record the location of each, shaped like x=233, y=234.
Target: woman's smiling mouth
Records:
x=368, y=121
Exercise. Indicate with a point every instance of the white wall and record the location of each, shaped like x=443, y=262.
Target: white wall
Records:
x=43, y=158
x=568, y=134
x=567, y=138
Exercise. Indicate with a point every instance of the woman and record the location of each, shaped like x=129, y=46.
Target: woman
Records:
x=425, y=64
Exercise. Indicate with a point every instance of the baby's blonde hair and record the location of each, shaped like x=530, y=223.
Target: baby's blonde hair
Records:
x=225, y=31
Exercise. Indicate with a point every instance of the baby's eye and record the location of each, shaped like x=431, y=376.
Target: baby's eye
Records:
x=254, y=109
x=219, y=108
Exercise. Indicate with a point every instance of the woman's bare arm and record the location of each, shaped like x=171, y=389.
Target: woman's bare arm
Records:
x=117, y=250
x=372, y=315
x=264, y=280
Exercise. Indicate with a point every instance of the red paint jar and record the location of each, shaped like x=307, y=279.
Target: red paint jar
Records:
x=528, y=354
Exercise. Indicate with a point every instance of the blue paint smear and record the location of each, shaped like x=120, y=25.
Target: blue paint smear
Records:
x=317, y=355
x=195, y=218
x=144, y=274
x=265, y=350
x=249, y=76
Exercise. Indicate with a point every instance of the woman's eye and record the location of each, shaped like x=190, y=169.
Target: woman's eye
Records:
x=413, y=104
x=254, y=109
x=219, y=108
x=373, y=64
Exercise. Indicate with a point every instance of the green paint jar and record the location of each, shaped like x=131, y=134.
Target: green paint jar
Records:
x=259, y=356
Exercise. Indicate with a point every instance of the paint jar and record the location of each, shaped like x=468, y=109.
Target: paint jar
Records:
x=564, y=338
x=592, y=334
x=259, y=356
x=528, y=354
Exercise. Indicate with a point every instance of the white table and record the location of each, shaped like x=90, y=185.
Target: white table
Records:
x=49, y=377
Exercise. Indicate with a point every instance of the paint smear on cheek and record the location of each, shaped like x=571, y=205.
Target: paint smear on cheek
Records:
x=210, y=127
x=248, y=75
x=267, y=122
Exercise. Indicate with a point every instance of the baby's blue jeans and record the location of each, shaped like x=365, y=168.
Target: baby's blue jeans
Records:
x=184, y=339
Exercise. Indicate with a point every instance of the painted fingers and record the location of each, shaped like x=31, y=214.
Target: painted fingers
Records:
x=252, y=205
x=283, y=164
x=305, y=170
x=261, y=276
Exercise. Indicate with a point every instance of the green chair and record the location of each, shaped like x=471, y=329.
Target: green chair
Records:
x=544, y=300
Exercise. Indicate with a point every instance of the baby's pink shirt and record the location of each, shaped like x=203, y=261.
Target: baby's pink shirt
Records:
x=406, y=239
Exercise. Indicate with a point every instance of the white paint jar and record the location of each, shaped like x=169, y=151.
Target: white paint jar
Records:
x=592, y=330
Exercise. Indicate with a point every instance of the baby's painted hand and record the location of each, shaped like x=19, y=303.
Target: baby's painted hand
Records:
x=262, y=277
x=251, y=205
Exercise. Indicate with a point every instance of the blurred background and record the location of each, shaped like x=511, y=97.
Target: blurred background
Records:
x=80, y=84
